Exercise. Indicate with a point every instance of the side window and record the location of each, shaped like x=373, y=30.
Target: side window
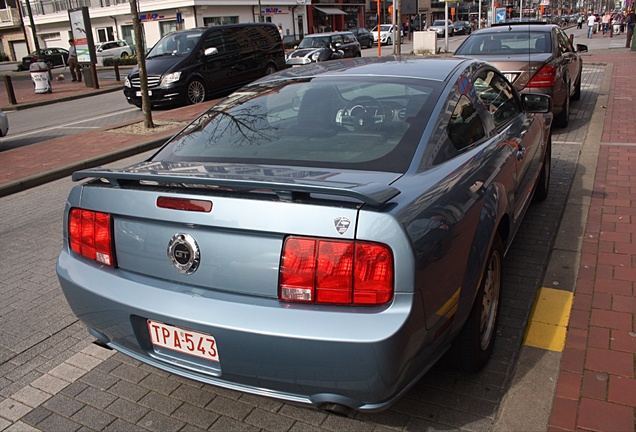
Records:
x=349, y=38
x=497, y=96
x=230, y=43
x=336, y=39
x=465, y=126
x=214, y=39
x=564, y=42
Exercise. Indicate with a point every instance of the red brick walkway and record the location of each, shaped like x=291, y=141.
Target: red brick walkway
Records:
x=596, y=390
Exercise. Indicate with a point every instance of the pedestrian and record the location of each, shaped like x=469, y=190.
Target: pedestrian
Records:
x=605, y=21
x=579, y=22
x=73, y=64
x=590, y=25
x=407, y=28
x=280, y=32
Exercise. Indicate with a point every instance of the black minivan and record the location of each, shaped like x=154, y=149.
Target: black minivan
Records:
x=185, y=67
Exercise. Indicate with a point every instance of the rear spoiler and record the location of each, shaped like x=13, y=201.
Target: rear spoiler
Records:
x=375, y=194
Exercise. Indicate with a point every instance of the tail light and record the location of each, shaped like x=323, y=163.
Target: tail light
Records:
x=544, y=78
x=335, y=272
x=90, y=235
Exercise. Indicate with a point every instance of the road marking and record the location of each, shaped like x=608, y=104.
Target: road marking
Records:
x=68, y=125
x=549, y=319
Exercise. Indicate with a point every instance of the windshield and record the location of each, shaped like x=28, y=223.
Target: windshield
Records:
x=522, y=42
x=383, y=28
x=178, y=43
x=315, y=42
x=363, y=123
x=438, y=23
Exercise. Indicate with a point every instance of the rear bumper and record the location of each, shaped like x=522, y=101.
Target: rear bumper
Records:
x=363, y=358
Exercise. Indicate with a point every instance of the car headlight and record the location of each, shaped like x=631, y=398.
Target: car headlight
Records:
x=315, y=56
x=127, y=83
x=170, y=78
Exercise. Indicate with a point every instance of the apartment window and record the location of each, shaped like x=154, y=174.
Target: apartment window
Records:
x=105, y=34
x=166, y=27
x=214, y=21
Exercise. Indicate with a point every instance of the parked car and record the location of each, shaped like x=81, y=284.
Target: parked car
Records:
x=4, y=124
x=53, y=57
x=187, y=67
x=364, y=36
x=439, y=26
x=321, y=47
x=112, y=49
x=387, y=32
x=322, y=236
x=536, y=58
x=462, y=28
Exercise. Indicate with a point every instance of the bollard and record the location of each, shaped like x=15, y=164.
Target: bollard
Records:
x=117, y=78
x=10, y=92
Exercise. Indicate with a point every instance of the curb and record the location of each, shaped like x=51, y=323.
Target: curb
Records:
x=27, y=105
x=535, y=378
x=64, y=171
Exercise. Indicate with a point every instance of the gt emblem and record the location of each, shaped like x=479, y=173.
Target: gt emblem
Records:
x=342, y=224
x=183, y=253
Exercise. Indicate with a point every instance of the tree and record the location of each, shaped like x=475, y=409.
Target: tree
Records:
x=141, y=65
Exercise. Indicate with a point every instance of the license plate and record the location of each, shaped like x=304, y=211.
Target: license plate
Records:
x=184, y=341
x=139, y=93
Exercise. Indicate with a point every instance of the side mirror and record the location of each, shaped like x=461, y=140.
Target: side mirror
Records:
x=338, y=45
x=536, y=103
x=581, y=48
x=210, y=51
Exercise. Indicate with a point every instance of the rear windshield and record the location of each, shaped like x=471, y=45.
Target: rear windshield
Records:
x=365, y=123
x=506, y=43
x=178, y=43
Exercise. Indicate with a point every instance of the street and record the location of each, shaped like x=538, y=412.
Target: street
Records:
x=43, y=346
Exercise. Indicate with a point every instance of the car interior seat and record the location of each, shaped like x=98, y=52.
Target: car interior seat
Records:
x=317, y=112
x=491, y=46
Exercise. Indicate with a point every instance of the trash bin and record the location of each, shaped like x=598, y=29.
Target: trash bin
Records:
x=40, y=77
x=87, y=76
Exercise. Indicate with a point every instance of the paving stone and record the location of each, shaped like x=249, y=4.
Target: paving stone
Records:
x=160, y=403
x=20, y=427
x=67, y=372
x=83, y=361
x=63, y=405
x=95, y=397
x=57, y=423
x=224, y=424
x=194, y=415
x=99, y=380
x=96, y=419
x=158, y=422
x=128, y=390
x=159, y=383
x=229, y=407
x=31, y=396
x=49, y=384
x=192, y=395
x=269, y=421
x=120, y=425
x=36, y=416
x=129, y=373
x=128, y=411
x=12, y=410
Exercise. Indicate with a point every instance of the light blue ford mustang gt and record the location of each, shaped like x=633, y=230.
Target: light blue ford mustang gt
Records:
x=321, y=236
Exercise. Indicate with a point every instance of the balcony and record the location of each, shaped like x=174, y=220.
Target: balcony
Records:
x=9, y=17
x=47, y=7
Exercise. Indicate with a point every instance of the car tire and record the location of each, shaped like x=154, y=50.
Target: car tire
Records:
x=195, y=92
x=270, y=69
x=124, y=54
x=543, y=183
x=563, y=118
x=474, y=344
x=370, y=44
x=389, y=41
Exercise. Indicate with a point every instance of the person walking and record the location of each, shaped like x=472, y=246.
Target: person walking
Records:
x=605, y=21
x=73, y=64
x=590, y=25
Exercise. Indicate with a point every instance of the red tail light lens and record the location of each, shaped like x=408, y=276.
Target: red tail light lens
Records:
x=90, y=235
x=544, y=78
x=335, y=272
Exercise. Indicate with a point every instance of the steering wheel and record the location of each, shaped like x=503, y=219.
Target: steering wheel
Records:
x=363, y=113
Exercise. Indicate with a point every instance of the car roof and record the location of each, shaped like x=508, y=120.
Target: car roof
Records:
x=519, y=27
x=424, y=67
x=327, y=34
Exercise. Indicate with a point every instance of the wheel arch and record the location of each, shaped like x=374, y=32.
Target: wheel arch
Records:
x=493, y=220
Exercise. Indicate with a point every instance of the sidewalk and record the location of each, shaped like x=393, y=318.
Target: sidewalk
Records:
x=30, y=166
x=594, y=386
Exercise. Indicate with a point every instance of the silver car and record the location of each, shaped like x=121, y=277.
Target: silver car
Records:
x=322, y=236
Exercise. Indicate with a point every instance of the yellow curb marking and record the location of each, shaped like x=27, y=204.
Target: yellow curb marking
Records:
x=549, y=319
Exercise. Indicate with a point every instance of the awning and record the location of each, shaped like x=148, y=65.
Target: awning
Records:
x=330, y=10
